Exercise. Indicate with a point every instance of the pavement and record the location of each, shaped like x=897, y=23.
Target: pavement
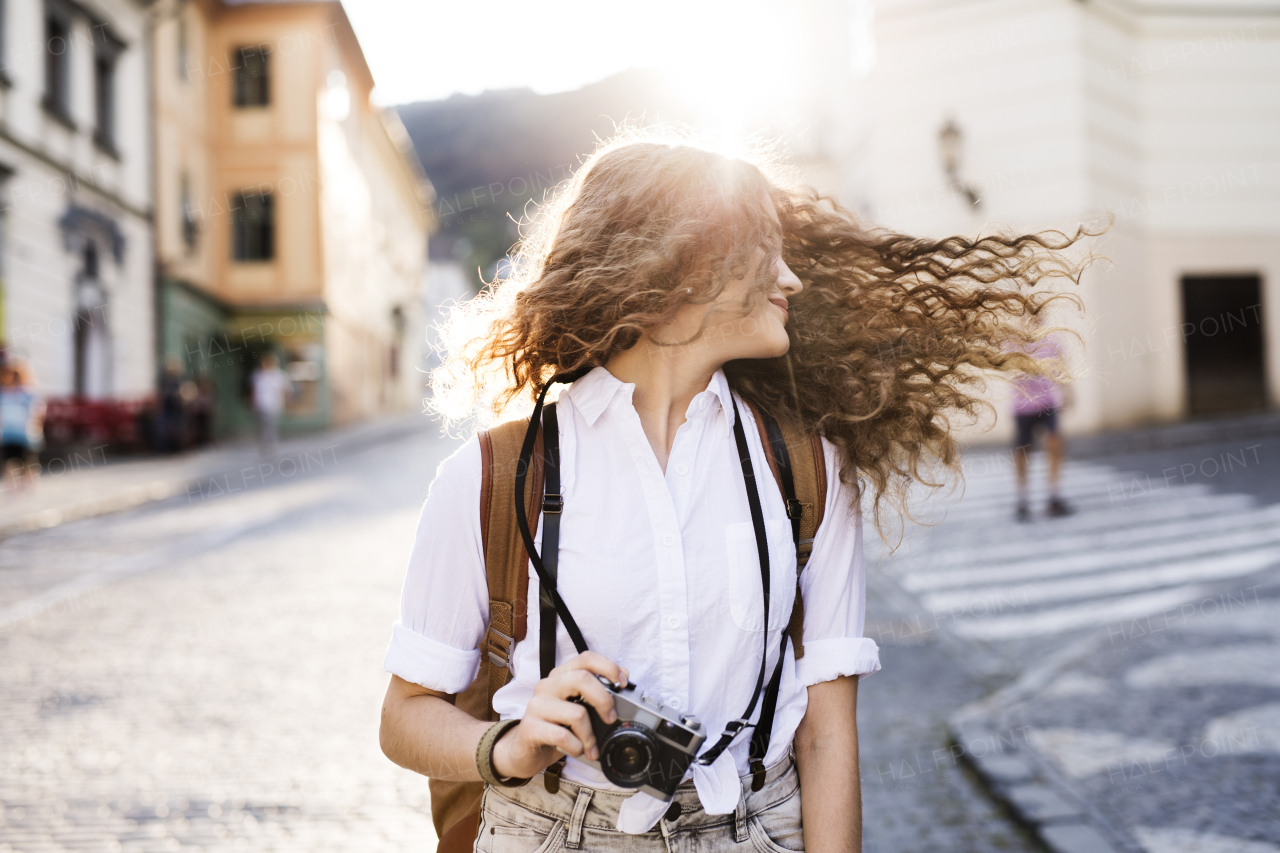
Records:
x=1135, y=645
x=97, y=481
x=917, y=795
x=202, y=670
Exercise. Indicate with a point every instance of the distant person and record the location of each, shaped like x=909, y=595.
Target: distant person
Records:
x=171, y=413
x=201, y=411
x=1037, y=400
x=270, y=385
x=21, y=426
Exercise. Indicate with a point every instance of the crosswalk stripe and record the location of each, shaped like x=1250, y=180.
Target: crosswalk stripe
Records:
x=1135, y=546
x=1094, y=585
x=1002, y=508
x=1091, y=561
x=955, y=529
x=1173, y=529
x=1092, y=614
x=931, y=543
x=970, y=502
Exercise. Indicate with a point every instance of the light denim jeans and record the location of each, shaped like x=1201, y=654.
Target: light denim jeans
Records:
x=531, y=820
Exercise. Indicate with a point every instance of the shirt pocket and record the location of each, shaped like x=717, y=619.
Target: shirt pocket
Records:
x=746, y=597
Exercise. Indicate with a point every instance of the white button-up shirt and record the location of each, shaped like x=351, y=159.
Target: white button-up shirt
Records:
x=659, y=570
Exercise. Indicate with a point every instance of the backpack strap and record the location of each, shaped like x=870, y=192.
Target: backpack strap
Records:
x=455, y=806
x=799, y=465
x=506, y=563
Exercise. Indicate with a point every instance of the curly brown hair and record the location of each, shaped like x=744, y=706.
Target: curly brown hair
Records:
x=891, y=338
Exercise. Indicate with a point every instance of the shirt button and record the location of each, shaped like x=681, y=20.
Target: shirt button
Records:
x=674, y=702
x=673, y=622
x=668, y=539
x=682, y=469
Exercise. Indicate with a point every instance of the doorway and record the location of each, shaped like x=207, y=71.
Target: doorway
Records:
x=1222, y=330
x=92, y=342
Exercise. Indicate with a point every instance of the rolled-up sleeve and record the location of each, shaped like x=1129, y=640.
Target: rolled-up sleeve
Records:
x=444, y=603
x=834, y=588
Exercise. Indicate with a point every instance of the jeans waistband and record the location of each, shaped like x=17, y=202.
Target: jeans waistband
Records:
x=780, y=782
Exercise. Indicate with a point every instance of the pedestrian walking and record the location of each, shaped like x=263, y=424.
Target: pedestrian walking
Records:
x=671, y=660
x=1037, y=400
x=171, y=414
x=270, y=387
x=200, y=410
x=21, y=426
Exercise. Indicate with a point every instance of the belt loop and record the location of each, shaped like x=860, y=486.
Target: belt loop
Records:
x=740, y=832
x=573, y=840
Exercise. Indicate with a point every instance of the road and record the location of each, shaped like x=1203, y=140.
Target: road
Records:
x=210, y=677
x=204, y=673
x=1137, y=643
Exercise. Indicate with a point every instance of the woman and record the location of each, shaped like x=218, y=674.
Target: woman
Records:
x=689, y=283
x=21, y=426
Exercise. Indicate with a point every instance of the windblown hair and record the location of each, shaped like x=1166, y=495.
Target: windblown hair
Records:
x=891, y=337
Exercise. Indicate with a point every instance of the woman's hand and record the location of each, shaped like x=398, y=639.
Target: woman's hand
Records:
x=552, y=725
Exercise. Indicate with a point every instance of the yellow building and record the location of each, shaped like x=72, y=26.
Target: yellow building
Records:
x=291, y=213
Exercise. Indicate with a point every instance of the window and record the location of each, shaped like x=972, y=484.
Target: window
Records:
x=252, y=227
x=252, y=77
x=106, y=52
x=57, y=62
x=190, y=230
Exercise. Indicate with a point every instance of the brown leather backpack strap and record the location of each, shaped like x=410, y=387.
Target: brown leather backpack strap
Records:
x=766, y=444
x=455, y=806
x=506, y=563
x=809, y=470
x=809, y=473
x=809, y=477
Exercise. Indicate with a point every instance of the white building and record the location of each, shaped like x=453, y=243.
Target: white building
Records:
x=76, y=258
x=1164, y=113
x=447, y=286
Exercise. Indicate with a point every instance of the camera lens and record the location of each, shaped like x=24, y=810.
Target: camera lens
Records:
x=627, y=755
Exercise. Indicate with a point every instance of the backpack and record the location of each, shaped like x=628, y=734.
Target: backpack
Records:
x=798, y=465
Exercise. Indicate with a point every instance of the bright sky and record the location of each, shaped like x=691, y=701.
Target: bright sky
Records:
x=427, y=50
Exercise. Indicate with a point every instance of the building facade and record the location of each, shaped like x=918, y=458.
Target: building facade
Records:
x=951, y=117
x=75, y=237
x=291, y=214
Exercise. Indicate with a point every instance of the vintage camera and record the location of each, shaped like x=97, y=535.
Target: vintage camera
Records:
x=649, y=747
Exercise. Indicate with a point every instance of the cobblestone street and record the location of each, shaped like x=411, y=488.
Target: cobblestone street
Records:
x=227, y=697
x=1131, y=648
x=206, y=675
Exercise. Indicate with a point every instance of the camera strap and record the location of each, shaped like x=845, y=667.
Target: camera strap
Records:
x=764, y=726
x=545, y=563
x=552, y=504
x=732, y=728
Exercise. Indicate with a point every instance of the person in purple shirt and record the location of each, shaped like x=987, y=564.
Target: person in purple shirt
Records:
x=1036, y=403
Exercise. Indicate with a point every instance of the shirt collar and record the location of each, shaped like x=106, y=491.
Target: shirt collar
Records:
x=591, y=394
x=594, y=392
x=719, y=386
